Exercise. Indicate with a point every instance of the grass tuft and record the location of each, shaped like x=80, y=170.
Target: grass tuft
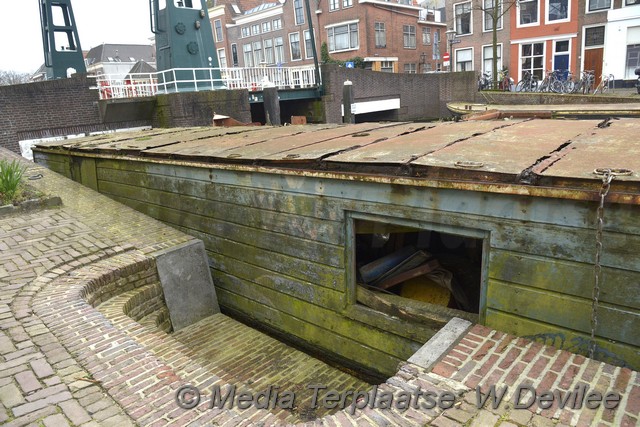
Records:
x=10, y=179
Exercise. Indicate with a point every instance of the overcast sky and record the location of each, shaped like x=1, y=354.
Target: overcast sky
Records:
x=108, y=21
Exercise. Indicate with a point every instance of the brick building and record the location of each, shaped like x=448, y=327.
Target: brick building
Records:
x=473, y=23
x=542, y=35
x=390, y=36
x=251, y=33
x=393, y=37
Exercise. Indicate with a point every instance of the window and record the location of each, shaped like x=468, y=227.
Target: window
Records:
x=409, y=36
x=381, y=34
x=386, y=66
x=532, y=58
x=294, y=44
x=595, y=5
x=488, y=11
x=528, y=10
x=218, y=29
x=245, y=32
x=558, y=10
x=298, y=10
x=464, y=59
x=410, y=68
x=255, y=29
x=343, y=37
x=347, y=3
x=266, y=27
x=633, y=60
x=487, y=58
x=234, y=54
x=257, y=53
x=268, y=52
x=334, y=5
x=308, y=48
x=277, y=24
x=384, y=250
x=248, y=56
x=463, y=18
x=426, y=36
x=594, y=36
x=279, y=50
x=436, y=44
x=631, y=2
x=222, y=58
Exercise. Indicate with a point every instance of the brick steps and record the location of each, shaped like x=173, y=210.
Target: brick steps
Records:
x=229, y=351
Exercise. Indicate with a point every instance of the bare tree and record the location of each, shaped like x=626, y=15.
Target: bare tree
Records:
x=494, y=15
x=13, y=77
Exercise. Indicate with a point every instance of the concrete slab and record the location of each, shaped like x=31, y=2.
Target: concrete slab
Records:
x=186, y=283
x=441, y=343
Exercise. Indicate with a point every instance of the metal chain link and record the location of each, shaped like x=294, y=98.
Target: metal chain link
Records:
x=604, y=190
x=607, y=177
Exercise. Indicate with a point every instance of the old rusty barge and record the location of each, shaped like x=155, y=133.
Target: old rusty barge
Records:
x=362, y=241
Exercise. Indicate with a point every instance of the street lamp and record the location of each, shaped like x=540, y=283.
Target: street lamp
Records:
x=451, y=38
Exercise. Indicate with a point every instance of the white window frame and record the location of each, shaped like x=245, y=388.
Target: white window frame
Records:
x=269, y=59
x=334, y=5
x=427, y=31
x=224, y=55
x=624, y=3
x=245, y=32
x=544, y=56
x=246, y=52
x=584, y=36
x=342, y=24
x=295, y=15
x=276, y=27
x=307, y=54
x=500, y=61
x=412, y=65
x=215, y=30
x=266, y=27
x=473, y=66
x=455, y=21
x=415, y=36
x=557, y=21
x=278, y=50
x=587, y=10
x=299, y=47
x=553, y=51
x=255, y=29
x=377, y=30
x=518, y=10
x=500, y=20
x=347, y=4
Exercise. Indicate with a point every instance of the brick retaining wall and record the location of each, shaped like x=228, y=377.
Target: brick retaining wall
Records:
x=422, y=96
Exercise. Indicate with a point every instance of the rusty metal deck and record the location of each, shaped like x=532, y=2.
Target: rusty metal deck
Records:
x=535, y=152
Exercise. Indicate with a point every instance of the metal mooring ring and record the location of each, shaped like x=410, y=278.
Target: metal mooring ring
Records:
x=613, y=171
x=466, y=164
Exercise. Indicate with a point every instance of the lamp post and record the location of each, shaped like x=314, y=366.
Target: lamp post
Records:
x=451, y=36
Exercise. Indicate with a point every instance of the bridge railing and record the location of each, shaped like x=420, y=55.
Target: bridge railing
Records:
x=197, y=79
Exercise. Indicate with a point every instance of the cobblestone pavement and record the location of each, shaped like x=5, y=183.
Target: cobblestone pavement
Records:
x=64, y=362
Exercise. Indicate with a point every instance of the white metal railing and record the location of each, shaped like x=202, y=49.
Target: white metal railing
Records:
x=197, y=79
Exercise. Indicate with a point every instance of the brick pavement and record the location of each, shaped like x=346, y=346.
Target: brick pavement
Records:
x=63, y=362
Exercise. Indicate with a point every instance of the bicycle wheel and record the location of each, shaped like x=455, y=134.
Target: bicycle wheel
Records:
x=569, y=86
x=556, y=86
x=520, y=86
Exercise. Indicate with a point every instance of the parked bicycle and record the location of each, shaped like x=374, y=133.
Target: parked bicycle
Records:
x=504, y=82
x=484, y=81
x=606, y=83
x=553, y=82
x=529, y=83
x=585, y=84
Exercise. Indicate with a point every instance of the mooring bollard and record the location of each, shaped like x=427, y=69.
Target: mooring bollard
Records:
x=347, y=103
x=271, y=106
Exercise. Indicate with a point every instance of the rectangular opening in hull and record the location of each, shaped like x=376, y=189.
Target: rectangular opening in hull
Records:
x=418, y=273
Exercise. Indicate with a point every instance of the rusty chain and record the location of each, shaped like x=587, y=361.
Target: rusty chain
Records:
x=607, y=176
